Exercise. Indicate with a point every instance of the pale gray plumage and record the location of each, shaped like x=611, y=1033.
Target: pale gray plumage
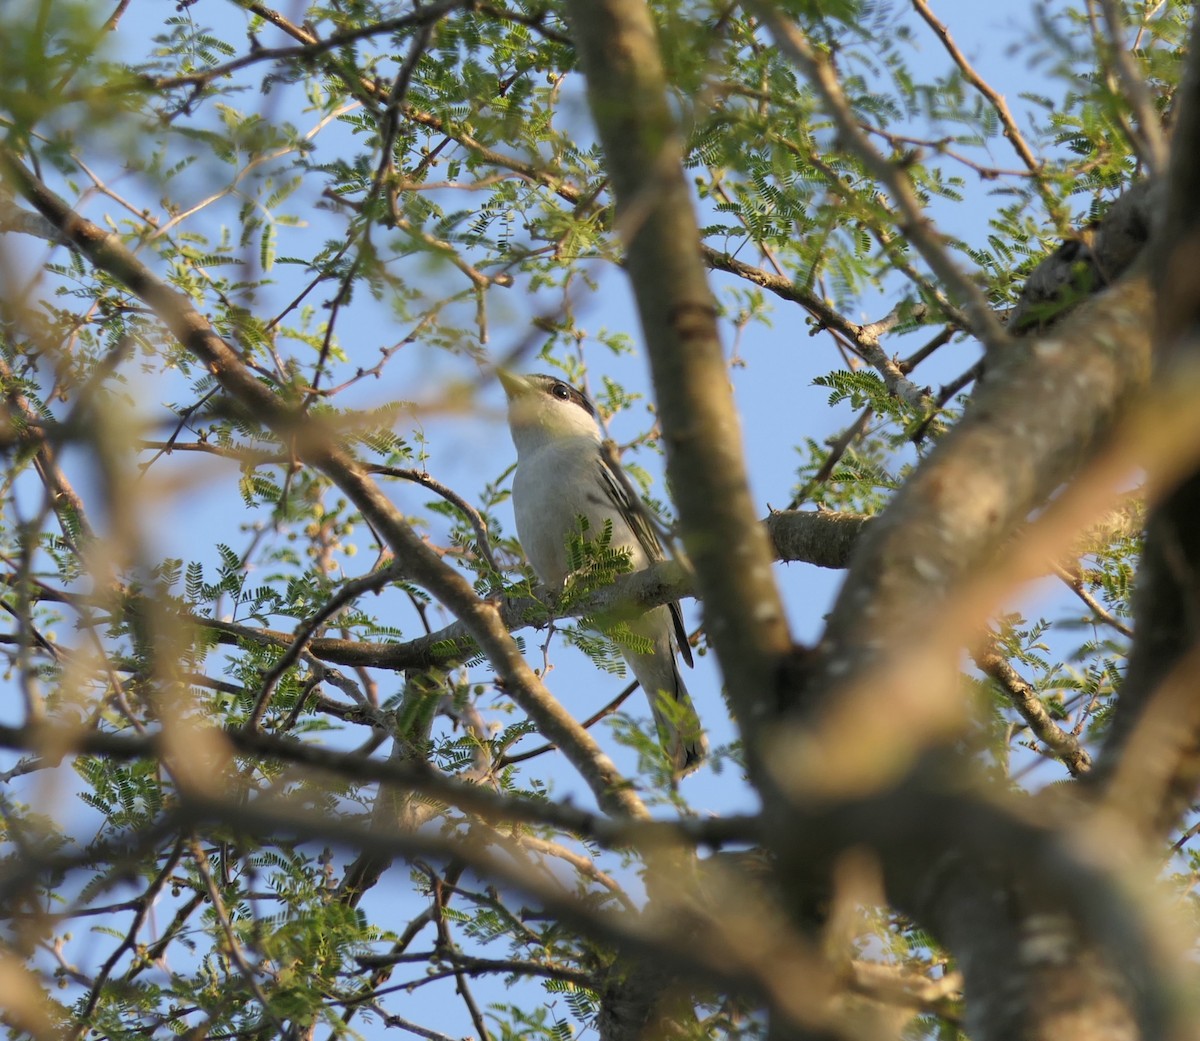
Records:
x=562, y=475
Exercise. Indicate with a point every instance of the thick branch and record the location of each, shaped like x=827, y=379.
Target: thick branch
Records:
x=1167, y=602
x=1096, y=257
x=619, y=51
x=883, y=685
x=408, y=776
x=417, y=560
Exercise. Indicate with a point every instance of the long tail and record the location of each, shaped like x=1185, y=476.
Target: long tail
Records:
x=678, y=723
x=679, y=729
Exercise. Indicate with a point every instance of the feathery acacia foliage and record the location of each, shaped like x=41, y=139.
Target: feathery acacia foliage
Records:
x=294, y=744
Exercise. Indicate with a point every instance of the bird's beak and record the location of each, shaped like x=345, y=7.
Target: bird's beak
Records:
x=514, y=386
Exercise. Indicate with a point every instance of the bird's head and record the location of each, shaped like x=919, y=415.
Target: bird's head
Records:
x=544, y=408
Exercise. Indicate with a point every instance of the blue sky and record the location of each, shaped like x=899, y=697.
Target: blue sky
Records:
x=469, y=446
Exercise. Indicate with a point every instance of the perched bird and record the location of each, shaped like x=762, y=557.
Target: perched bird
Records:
x=562, y=475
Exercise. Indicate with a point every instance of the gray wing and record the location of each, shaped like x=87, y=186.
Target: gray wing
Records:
x=623, y=497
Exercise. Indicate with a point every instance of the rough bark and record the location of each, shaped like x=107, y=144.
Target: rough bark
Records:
x=1034, y=967
x=644, y=1000
x=314, y=445
x=1046, y=407
x=1156, y=714
x=1093, y=260
x=1048, y=944
x=743, y=614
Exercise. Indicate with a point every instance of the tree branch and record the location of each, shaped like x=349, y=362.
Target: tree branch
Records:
x=864, y=339
x=405, y=776
x=1026, y=701
x=618, y=48
x=1150, y=142
x=913, y=224
x=426, y=15
x=1032, y=423
x=1012, y=132
x=1167, y=600
x=419, y=563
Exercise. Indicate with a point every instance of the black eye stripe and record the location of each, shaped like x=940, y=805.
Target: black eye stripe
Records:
x=556, y=388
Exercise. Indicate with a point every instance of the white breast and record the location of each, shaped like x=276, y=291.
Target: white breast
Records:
x=553, y=485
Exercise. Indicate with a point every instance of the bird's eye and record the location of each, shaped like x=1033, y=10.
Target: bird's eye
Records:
x=559, y=390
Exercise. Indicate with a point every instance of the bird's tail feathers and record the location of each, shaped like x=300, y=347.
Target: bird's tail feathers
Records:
x=679, y=729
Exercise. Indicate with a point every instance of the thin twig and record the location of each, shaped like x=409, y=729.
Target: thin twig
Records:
x=913, y=223
x=347, y=594
x=1073, y=579
x=922, y=353
x=478, y=524
x=592, y=720
x=233, y=945
x=450, y=949
x=1060, y=217
x=1064, y=747
x=1150, y=141
x=863, y=340
x=837, y=449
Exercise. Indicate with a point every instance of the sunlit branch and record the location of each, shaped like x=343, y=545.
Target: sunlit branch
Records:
x=1011, y=131
x=864, y=340
x=914, y=224
x=1028, y=703
x=417, y=560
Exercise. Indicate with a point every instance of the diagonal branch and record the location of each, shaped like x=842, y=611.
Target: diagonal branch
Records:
x=914, y=224
x=1000, y=106
x=864, y=339
x=927, y=571
x=417, y=560
x=743, y=613
x=423, y=16
x=1150, y=141
x=1156, y=733
x=1026, y=701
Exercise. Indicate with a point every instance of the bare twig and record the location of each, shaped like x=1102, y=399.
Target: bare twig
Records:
x=312, y=47
x=447, y=945
x=837, y=449
x=347, y=594
x=591, y=721
x=479, y=525
x=1054, y=207
x=913, y=223
x=863, y=340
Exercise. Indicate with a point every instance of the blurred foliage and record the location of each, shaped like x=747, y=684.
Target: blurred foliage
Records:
x=299, y=182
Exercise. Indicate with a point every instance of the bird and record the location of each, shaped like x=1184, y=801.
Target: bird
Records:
x=563, y=475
